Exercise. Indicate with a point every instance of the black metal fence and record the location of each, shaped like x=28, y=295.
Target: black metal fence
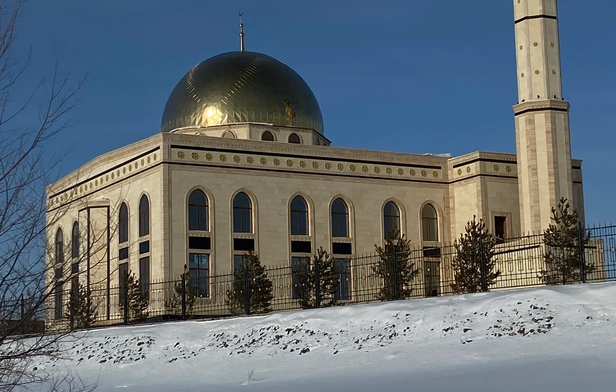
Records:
x=520, y=261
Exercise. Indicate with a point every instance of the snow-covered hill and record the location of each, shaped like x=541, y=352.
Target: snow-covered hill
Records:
x=546, y=339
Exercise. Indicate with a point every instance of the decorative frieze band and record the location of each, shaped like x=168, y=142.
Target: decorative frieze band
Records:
x=304, y=164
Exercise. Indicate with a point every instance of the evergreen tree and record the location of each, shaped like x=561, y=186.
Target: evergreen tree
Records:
x=385, y=268
x=564, y=241
x=80, y=310
x=250, y=279
x=134, y=301
x=322, y=266
x=174, y=304
x=474, y=250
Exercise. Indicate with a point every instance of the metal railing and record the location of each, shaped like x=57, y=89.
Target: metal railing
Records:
x=521, y=262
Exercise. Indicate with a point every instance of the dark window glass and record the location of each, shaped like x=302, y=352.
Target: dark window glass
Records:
x=123, y=224
x=298, y=265
x=75, y=286
x=301, y=247
x=123, y=253
x=294, y=138
x=267, y=136
x=199, y=242
x=144, y=216
x=500, y=227
x=237, y=261
x=199, y=270
x=342, y=248
x=197, y=211
x=58, y=294
x=242, y=213
x=432, y=278
x=431, y=251
x=391, y=218
x=144, y=247
x=75, y=241
x=340, y=219
x=59, y=247
x=243, y=244
x=75, y=268
x=429, y=223
x=342, y=269
x=299, y=216
x=123, y=275
x=144, y=276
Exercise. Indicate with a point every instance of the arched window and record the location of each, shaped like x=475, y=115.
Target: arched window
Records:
x=144, y=216
x=59, y=247
x=242, y=213
x=197, y=211
x=75, y=241
x=340, y=219
x=294, y=138
x=299, y=216
x=228, y=135
x=429, y=223
x=123, y=224
x=391, y=218
x=267, y=136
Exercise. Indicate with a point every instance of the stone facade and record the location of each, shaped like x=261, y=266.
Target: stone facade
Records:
x=168, y=167
x=513, y=194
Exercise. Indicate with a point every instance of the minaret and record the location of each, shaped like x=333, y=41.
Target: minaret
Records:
x=541, y=116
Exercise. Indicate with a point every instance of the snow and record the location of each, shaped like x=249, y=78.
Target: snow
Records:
x=545, y=339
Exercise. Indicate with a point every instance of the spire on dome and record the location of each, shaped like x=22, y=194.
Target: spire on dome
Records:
x=241, y=32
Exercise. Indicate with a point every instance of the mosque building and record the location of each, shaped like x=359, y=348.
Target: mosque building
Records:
x=242, y=162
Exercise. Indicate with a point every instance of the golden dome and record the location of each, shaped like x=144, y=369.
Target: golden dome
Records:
x=240, y=87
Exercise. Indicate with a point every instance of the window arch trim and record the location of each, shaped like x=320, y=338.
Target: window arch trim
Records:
x=336, y=232
x=268, y=136
x=294, y=135
x=307, y=215
x=389, y=221
x=123, y=223
x=59, y=246
x=206, y=226
x=144, y=219
x=251, y=214
x=75, y=240
x=433, y=225
x=401, y=211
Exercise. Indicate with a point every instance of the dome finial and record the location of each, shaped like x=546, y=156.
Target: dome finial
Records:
x=241, y=32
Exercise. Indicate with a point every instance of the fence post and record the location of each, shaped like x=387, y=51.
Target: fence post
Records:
x=125, y=302
x=482, y=264
x=317, y=284
x=581, y=252
x=395, y=272
x=184, y=296
x=246, y=288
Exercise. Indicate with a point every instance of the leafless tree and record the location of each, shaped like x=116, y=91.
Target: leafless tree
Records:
x=26, y=127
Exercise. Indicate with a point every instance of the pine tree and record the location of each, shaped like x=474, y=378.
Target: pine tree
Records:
x=564, y=241
x=80, y=309
x=133, y=301
x=322, y=266
x=405, y=267
x=174, y=304
x=250, y=279
x=474, y=251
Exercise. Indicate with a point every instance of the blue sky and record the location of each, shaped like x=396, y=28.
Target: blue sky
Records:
x=412, y=76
